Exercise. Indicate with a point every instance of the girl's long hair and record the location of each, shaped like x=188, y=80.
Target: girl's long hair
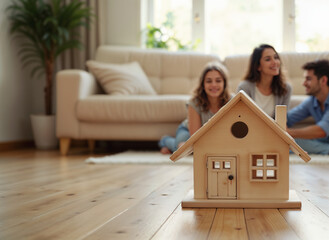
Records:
x=200, y=95
x=253, y=75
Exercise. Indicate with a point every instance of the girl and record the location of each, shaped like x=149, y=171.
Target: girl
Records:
x=264, y=81
x=210, y=95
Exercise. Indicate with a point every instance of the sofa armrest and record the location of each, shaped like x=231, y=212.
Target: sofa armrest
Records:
x=72, y=85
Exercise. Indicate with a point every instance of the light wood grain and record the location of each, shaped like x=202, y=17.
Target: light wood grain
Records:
x=145, y=218
x=312, y=181
x=44, y=195
x=309, y=223
x=229, y=224
x=187, y=224
x=268, y=224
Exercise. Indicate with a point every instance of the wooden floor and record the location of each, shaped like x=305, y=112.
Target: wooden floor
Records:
x=46, y=196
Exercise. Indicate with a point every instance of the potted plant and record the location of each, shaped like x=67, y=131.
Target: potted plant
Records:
x=48, y=28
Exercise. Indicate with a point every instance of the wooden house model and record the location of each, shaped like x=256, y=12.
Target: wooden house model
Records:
x=241, y=159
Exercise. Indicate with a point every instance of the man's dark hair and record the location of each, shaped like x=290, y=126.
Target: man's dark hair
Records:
x=320, y=68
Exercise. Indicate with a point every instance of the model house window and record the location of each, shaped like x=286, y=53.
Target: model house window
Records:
x=216, y=165
x=264, y=167
x=225, y=165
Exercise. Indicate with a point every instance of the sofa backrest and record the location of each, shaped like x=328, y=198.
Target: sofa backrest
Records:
x=168, y=72
x=179, y=72
x=292, y=63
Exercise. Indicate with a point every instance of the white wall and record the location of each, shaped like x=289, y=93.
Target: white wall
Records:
x=15, y=87
x=124, y=22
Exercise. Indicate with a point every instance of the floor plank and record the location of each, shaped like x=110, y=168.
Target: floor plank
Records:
x=268, y=224
x=59, y=218
x=187, y=224
x=144, y=219
x=57, y=195
x=310, y=222
x=312, y=182
x=229, y=224
x=44, y=195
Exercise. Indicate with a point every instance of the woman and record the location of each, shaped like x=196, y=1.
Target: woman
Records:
x=210, y=95
x=264, y=81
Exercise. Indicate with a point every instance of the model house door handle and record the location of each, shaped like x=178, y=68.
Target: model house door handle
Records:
x=230, y=177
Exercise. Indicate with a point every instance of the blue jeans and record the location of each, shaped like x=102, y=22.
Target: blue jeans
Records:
x=314, y=146
x=182, y=135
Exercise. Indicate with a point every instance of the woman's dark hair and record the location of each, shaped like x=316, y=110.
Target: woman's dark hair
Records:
x=200, y=94
x=253, y=75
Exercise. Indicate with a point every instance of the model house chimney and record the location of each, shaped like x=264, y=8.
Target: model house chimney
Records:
x=281, y=116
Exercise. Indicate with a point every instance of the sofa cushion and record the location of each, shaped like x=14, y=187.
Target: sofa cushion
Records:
x=133, y=108
x=121, y=79
x=237, y=66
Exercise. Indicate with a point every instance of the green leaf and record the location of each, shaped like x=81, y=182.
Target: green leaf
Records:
x=48, y=28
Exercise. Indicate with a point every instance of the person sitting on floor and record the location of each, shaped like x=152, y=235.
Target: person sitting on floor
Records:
x=315, y=138
x=265, y=82
x=210, y=95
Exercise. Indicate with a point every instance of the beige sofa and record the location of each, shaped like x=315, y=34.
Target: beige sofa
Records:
x=84, y=111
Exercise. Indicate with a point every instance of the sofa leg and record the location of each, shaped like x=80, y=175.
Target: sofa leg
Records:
x=91, y=145
x=64, y=145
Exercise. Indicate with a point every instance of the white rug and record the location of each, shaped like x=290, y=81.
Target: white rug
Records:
x=138, y=157
x=155, y=157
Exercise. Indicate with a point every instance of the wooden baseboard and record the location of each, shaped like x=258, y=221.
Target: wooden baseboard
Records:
x=15, y=145
x=113, y=145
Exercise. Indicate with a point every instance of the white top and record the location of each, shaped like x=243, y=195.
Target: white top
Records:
x=266, y=103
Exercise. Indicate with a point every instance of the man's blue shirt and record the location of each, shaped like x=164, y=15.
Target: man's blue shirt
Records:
x=311, y=107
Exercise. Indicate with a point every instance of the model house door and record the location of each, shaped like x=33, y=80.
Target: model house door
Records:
x=221, y=177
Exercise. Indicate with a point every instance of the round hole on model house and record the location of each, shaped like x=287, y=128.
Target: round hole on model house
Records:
x=239, y=129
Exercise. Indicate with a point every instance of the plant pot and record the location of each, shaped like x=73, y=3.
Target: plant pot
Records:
x=44, y=131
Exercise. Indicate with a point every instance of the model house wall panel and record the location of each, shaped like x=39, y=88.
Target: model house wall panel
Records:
x=260, y=138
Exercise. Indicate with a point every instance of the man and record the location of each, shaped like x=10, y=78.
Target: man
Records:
x=315, y=138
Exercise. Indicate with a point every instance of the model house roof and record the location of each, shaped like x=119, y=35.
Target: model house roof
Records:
x=187, y=147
